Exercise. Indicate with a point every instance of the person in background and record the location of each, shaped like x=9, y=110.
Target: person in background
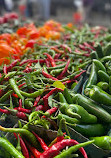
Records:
x=87, y=6
x=44, y=9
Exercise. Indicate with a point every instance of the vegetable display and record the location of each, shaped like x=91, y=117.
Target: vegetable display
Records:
x=55, y=76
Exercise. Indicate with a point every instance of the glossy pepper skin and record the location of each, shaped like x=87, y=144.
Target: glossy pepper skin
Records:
x=93, y=77
x=68, y=118
x=99, y=65
x=10, y=148
x=85, y=116
x=103, y=142
x=68, y=152
x=100, y=96
x=103, y=76
x=103, y=85
x=92, y=108
x=89, y=130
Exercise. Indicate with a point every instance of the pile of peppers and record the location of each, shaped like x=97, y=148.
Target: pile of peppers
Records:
x=40, y=82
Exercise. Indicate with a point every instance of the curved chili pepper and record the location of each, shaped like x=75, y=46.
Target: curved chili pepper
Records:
x=23, y=146
x=103, y=76
x=104, y=97
x=15, y=88
x=92, y=107
x=48, y=75
x=32, y=95
x=36, y=101
x=72, y=149
x=22, y=131
x=33, y=150
x=49, y=112
x=65, y=70
x=59, y=146
x=10, y=148
x=50, y=59
x=41, y=141
x=12, y=64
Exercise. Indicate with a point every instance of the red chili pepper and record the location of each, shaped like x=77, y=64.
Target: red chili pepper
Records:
x=23, y=146
x=82, y=47
x=21, y=85
x=12, y=64
x=52, y=151
x=47, y=63
x=57, y=56
x=41, y=141
x=20, y=109
x=31, y=156
x=49, y=112
x=86, y=54
x=88, y=45
x=36, y=101
x=32, y=61
x=50, y=59
x=48, y=75
x=4, y=111
x=28, y=70
x=14, y=95
x=69, y=81
x=45, y=98
x=20, y=115
x=5, y=69
x=30, y=43
x=33, y=150
x=20, y=103
x=65, y=70
x=39, y=107
x=66, y=47
x=79, y=74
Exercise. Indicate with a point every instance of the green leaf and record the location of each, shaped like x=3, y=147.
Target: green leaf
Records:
x=58, y=84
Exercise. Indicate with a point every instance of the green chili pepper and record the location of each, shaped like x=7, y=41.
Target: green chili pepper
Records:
x=10, y=148
x=73, y=85
x=99, y=65
x=5, y=96
x=103, y=85
x=88, y=130
x=15, y=88
x=32, y=95
x=92, y=108
x=62, y=98
x=63, y=108
x=67, y=96
x=107, y=50
x=69, y=151
x=103, y=76
x=67, y=118
x=56, y=72
x=100, y=96
x=84, y=64
x=110, y=84
x=85, y=116
x=22, y=131
x=57, y=67
x=37, y=72
x=103, y=142
x=93, y=77
x=28, y=103
x=99, y=50
x=94, y=55
x=105, y=59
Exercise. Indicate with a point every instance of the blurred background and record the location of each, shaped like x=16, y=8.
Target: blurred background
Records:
x=94, y=12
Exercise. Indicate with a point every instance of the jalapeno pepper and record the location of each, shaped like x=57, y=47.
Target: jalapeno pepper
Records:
x=92, y=108
x=103, y=142
x=89, y=130
x=85, y=116
x=100, y=96
x=99, y=65
x=103, y=76
x=93, y=76
x=103, y=85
